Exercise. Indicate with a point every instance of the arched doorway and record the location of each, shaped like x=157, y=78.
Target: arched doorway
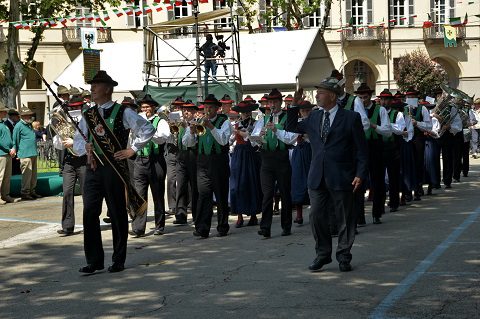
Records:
x=452, y=71
x=357, y=72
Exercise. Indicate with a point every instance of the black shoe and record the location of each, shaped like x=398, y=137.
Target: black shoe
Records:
x=456, y=180
x=465, y=175
x=221, y=234
x=107, y=220
x=298, y=221
x=448, y=186
x=116, y=267
x=276, y=212
x=265, y=233
x=429, y=190
x=318, y=264
x=345, y=266
x=286, y=232
x=159, y=231
x=253, y=221
x=362, y=224
x=66, y=232
x=377, y=221
x=239, y=224
x=180, y=222
x=198, y=234
x=135, y=234
x=393, y=209
x=90, y=269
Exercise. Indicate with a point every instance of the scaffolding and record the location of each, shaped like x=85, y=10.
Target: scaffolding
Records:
x=173, y=64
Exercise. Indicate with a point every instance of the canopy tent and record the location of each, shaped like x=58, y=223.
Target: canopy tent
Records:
x=268, y=60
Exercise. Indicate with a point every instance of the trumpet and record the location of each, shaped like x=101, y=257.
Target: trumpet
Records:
x=200, y=129
x=174, y=128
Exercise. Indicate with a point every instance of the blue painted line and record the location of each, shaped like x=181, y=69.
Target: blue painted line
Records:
x=380, y=311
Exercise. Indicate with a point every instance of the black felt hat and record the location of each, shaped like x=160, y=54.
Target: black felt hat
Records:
x=103, y=77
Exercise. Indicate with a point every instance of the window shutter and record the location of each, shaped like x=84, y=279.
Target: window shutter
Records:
x=451, y=11
x=432, y=11
x=348, y=10
x=369, y=12
x=411, y=11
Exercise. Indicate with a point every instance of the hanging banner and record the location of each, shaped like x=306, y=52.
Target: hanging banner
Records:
x=91, y=63
x=89, y=37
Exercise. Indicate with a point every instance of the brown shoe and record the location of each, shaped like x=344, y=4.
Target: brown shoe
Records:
x=9, y=199
x=35, y=195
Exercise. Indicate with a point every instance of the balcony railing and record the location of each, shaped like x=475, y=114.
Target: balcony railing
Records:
x=363, y=34
x=437, y=32
x=3, y=38
x=73, y=35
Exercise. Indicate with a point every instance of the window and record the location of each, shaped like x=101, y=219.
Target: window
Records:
x=442, y=10
x=359, y=12
x=182, y=11
x=134, y=21
x=80, y=11
x=401, y=11
x=315, y=20
x=223, y=22
x=269, y=14
x=360, y=70
x=34, y=82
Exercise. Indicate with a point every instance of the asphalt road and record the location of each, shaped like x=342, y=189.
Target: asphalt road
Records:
x=422, y=262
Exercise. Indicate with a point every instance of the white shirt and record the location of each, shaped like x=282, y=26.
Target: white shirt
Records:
x=426, y=125
x=476, y=114
x=288, y=138
x=142, y=130
x=332, y=113
x=162, y=133
x=360, y=109
x=384, y=128
x=399, y=125
x=221, y=135
x=456, y=123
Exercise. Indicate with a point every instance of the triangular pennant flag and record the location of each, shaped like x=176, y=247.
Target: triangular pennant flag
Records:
x=97, y=16
x=178, y=3
x=128, y=11
x=72, y=18
x=166, y=1
x=44, y=23
x=158, y=8
x=156, y=1
x=26, y=26
x=465, y=21
x=449, y=36
x=117, y=12
x=169, y=7
x=63, y=21
x=350, y=22
x=147, y=9
x=106, y=17
x=413, y=16
x=18, y=25
x=455, y=21
x=90, y=17
x=52, y=23
x=203, y=1
x=403, y=18
x=427, y=24
x=137, y=10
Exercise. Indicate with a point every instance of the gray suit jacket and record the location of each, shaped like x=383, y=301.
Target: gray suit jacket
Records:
x=344, y=154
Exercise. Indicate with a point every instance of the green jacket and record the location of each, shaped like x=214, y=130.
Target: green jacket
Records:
x=24, y=140
x=5, y=140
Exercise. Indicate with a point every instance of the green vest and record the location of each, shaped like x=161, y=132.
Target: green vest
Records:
x=271, y=140
x=371, y=133
x=110, y=123
x=181, y=133
x=206, y=142
x=393, y=116
x=151, y=146
x=349, y=104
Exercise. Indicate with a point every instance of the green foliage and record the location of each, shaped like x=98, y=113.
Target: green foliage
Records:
x=418, y=70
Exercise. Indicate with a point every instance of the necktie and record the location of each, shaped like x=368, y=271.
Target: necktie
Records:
x=326, y=126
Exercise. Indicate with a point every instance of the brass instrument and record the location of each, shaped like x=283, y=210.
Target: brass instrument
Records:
x=451, y=98
x=200, y=129
x=174, y=128
x=64, y=128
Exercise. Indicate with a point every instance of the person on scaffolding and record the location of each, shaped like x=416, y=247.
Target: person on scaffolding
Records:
x=208, y=51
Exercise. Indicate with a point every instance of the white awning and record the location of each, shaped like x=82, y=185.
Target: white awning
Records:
x=268, y=60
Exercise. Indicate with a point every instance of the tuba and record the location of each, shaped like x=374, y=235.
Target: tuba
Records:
x=62, y=126
x=451, y=97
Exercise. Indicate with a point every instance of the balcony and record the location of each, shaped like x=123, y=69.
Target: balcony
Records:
x=435, y=33
x=363, y=35
x=73, y=35
x=3, y=38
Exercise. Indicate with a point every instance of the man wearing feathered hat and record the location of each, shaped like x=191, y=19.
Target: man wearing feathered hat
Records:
x=213, y=169
x=275, y=166
x=380, y=129
x=6, y=152
x=186, y=168
x=150, y=168
x=338, y=169
x=103, y=178
x=25, y=148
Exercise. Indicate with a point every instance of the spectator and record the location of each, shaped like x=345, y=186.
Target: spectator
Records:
x=40, y=134
x=5, y=158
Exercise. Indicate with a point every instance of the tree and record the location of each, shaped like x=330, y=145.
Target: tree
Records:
x=246, y=10
x=13, y=68
x=417, y=70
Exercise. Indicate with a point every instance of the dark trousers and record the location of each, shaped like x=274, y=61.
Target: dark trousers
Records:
x=320, y=201
x=99, y=184
x=186, y=184
x=392, y=165
x=171, y=159
x=276, y=167
x=150, y=171
x=419, y=153
x=213, y=172
x=377, y=177
x=466, y=158
x=447, y=142
x=73, y=170
x=457, y=155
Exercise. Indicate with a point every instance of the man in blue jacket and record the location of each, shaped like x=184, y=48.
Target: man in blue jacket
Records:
x=339, y=166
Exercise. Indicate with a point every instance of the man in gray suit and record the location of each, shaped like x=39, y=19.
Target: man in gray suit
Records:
x=338, y=168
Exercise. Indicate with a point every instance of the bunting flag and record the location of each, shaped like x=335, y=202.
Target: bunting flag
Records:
x=166, y=1
x=63, y=21
x=96, y=15
x=128, y=11
x=106, y=17
x=449, y=36
x=52, y=23
x=203, y=1
x=17, y=25
x=72, y=19
x=147, y=9
x=455, y=21
x=178, y=3
x=156, y=1
x=413, y=16
x=117, y=12
x=158, y=8
x=465, y=21
x=90, y=17
x=137, y=10
x=169, y=7
x=427, y=24
x=403, y=18
x=350, y=22
x=81, y=18
x=45, y=23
